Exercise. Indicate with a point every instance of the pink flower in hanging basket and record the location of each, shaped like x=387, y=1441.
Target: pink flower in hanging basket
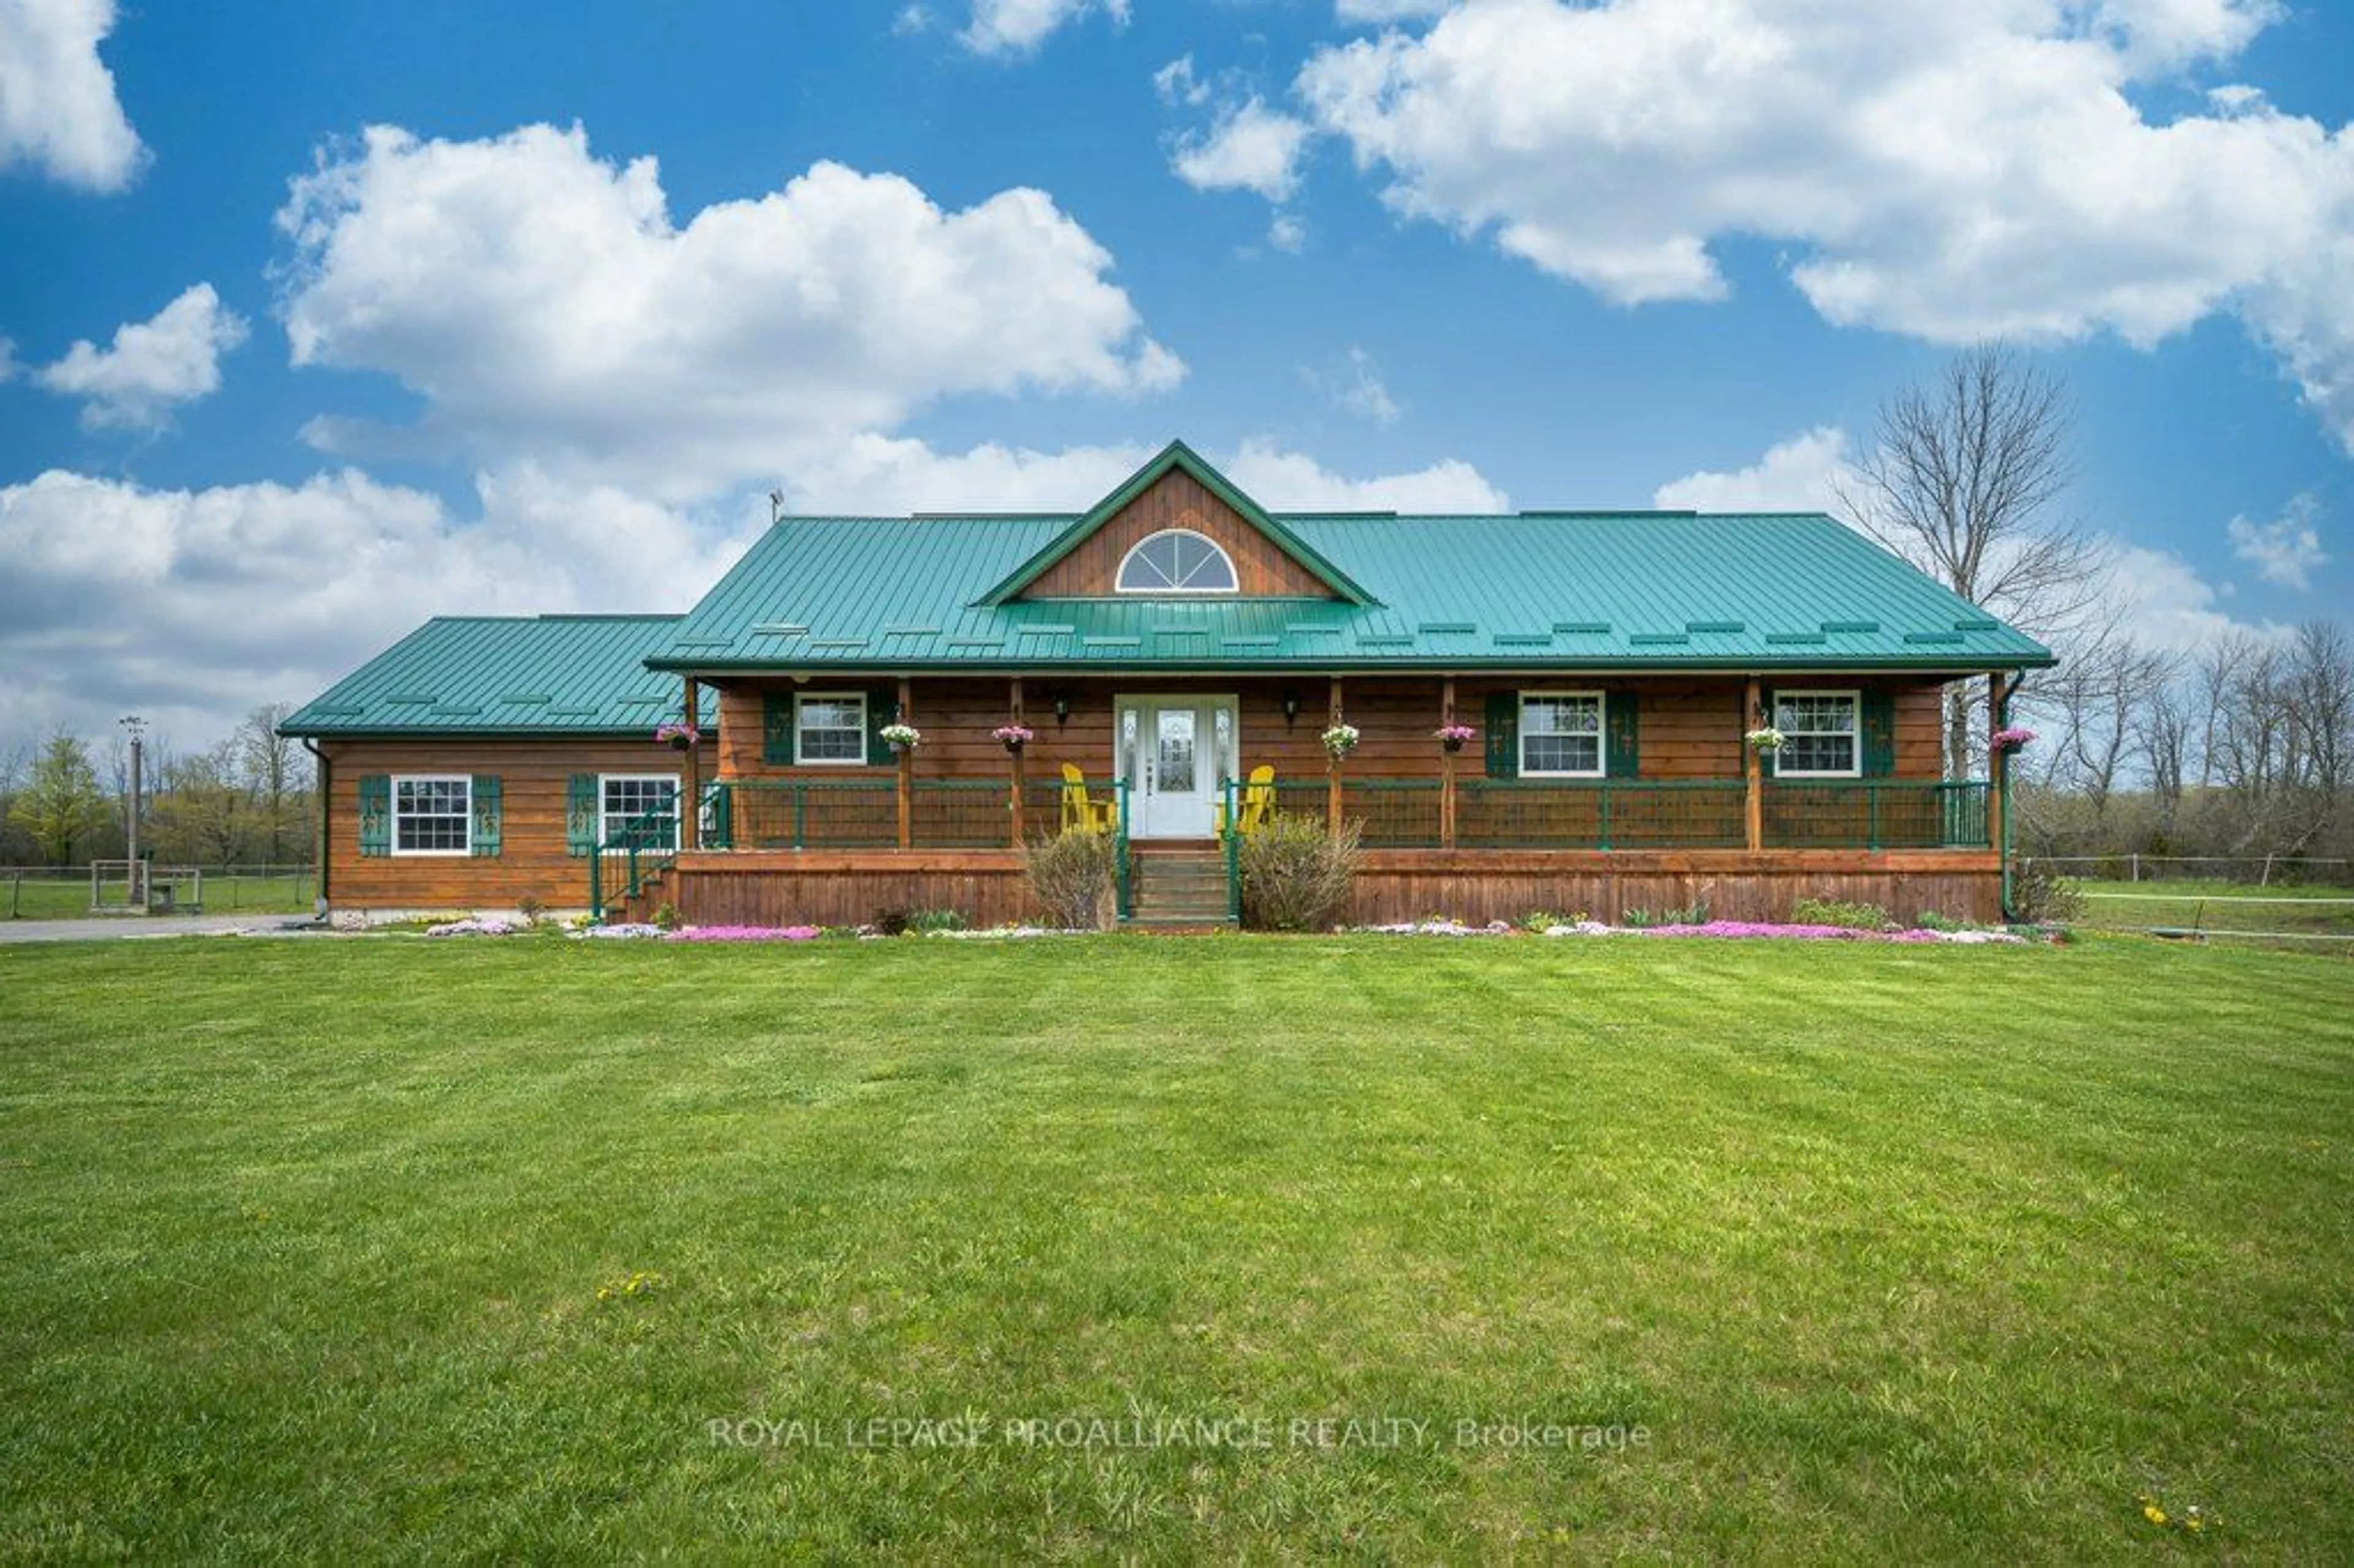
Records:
x=2010, y=737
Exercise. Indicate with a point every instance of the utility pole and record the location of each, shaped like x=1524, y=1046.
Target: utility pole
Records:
x=138, y=728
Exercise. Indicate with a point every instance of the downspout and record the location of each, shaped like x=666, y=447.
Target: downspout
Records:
x=326, y=775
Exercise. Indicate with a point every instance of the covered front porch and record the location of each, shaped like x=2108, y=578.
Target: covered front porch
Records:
x=1679, y=810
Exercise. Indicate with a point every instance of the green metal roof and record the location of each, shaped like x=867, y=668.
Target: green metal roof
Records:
x=550, y=674
x=1537, y=590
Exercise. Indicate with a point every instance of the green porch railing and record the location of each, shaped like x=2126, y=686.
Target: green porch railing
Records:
x=1601, y=813
x=863, y=813
x=1123, y=877
x=1231, y=832
x=622, y=861
x=1876, y=813
x=1394, y=813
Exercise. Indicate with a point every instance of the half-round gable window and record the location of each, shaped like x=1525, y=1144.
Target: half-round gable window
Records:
x=1176, y=560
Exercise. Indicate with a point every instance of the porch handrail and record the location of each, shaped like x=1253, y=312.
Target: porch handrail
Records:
x=648, y=840
x=1123, y=879
x=1895, y=813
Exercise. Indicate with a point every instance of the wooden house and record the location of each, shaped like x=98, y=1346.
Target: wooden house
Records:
x=1600, y=672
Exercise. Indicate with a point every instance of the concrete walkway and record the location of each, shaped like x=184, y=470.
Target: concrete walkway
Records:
x=119, y=927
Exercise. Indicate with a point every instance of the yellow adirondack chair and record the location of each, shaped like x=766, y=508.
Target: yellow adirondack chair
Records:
x=1080, y=812
x=1258, y=801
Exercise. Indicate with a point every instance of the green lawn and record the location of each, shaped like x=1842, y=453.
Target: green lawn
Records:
x=2209, y=906
x=1891, y=1253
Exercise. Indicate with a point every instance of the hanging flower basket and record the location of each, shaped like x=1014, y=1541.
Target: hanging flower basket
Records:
x=1341, y=739
x=902, y=737
x=679, y=734
x=2009, y=738
x=1012, y=736
x=1454, y=736
x=1767, y=739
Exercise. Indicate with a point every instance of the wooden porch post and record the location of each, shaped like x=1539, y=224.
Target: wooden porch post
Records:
x=1014, y=702
x=1446, y=767
x=1998, y=763
x=906, y=769
x=1753, y=774
x=690, y=805
x=1332, y=769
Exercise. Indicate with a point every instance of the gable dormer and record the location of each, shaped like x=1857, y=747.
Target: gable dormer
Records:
x=1176, y=528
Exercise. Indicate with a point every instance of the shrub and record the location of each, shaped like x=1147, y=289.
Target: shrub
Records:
x=1832, y=912
x=1296, y=875
x=2038, y=895
x=924, y=920
x=666, y=916
x=892, y=922
x=1071, y=877
x=530, y=908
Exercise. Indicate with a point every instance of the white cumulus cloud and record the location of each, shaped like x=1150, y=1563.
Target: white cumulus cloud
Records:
x=191, y=606
x=1018, y=26
x=2286, y=550
x=1284, y=481
x=1249, y=147
x=879, y=475
x=544, y=305
x=58, y=108
x=1949, y=171
x=1801, y=474
x=152, y=366
x=1380, y=10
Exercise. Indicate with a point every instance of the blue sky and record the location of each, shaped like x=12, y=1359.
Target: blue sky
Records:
x=326, y=318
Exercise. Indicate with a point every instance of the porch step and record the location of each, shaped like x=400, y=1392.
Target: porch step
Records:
x=1183, y=886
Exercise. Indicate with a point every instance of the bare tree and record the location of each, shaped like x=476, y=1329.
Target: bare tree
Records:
x=1961, y=479
x=274, y=770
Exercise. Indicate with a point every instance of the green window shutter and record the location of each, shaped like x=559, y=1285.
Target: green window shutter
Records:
x=584, y=804
x=376, y=814
x=1503, y=735
x=881, y=708
x=1878, y=744
x=1765, y=759
x=486, y=815
x=1621, y=736
x=776, y=728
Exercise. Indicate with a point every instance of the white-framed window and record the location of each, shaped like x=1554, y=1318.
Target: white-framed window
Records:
x=1176, y=560
x=1822, y=735
x=623, y=798
x=432, y=814
x=830, y=728
x=1561, y=734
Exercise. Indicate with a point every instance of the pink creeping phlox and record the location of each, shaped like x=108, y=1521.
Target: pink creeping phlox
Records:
x=746, y=933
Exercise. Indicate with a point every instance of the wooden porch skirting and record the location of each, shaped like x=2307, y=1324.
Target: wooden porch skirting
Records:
x=1479, y=886
x=718, y=887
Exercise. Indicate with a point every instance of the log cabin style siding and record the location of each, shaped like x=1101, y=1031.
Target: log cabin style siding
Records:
x=1687, y=728
x=1178, y=501
x=534, y=858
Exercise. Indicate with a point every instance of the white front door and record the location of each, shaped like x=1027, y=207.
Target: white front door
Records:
x=1176, y=753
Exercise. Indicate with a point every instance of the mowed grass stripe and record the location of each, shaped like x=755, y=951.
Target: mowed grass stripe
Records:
x=1940, y=1251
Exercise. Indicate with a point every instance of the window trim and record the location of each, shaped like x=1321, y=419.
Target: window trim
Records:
x=466, y=812
x=1601, y=735
x=801, y=760
x=1855, y=732
x=1233, y=578
x=605, y=818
